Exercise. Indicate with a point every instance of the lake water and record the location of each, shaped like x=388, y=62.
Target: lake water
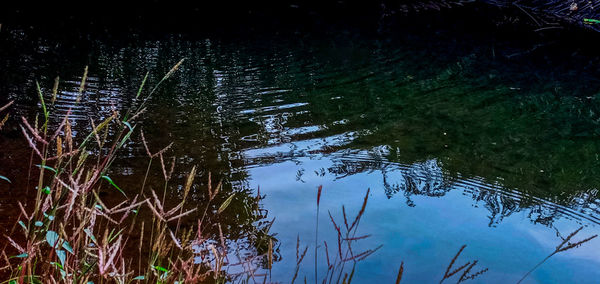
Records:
x=461, y=139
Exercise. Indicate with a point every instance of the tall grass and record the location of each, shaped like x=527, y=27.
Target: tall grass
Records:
x=2, y=122
x=69, y=234
x=465, y=270
x=564, y=245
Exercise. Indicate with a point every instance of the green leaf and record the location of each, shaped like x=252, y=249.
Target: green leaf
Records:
x=591, y=21
x=23, y=255
x=142, y=86
x=46, y=190
x=126, y=137
x=23, y=225
x=5, y=178
x=50, y=217
x=47, y=168
x=112, y=237
x=51, y=238
x=62, y=255
x=90, y=235
x=159, y=268
x=113, y=184
x=57, y=264
x=42, y=100
x=225, y=204
x=127, y=124
x=67, y=247
x=141, y=277
x=12, y=282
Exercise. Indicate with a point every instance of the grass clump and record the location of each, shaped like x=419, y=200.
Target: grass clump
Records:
x=69, y=234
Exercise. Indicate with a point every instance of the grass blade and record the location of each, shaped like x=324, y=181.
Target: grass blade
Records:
x=5, y=178
x=225, y=204
x=42, y=100
x=47, y=168
x=142, y=86
x=107, y=178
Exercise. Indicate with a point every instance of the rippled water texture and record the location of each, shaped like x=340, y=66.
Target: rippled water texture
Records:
x=461, y=140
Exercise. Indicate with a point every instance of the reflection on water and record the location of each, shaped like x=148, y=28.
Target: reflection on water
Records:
x=459, y=144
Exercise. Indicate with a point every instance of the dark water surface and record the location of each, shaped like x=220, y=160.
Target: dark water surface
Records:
x=462, y=139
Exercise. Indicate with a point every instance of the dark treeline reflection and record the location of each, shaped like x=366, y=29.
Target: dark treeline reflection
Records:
x=516, y=126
